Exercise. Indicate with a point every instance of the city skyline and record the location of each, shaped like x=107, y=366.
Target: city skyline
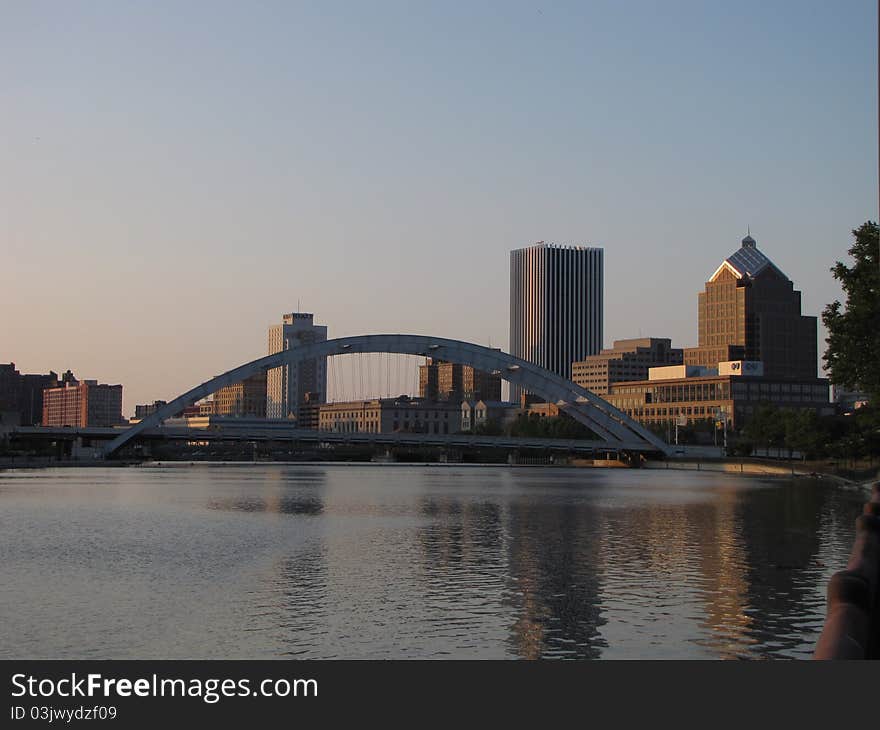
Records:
x=352, y=190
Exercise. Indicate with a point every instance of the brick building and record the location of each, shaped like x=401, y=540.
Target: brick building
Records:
x=80, y=404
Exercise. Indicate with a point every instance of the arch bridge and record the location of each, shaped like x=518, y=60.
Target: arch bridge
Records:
x=610, y=425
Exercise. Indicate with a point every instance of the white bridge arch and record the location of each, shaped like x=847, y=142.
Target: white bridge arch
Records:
x=614, y=427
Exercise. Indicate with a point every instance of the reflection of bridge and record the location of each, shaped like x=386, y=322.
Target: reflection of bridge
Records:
x=613, y=429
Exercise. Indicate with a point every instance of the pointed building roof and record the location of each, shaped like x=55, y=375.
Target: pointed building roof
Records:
x=748, y=261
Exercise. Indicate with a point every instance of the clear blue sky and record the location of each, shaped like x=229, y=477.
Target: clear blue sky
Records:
x=174, y=176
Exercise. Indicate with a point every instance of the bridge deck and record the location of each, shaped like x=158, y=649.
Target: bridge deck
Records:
x=286, y=433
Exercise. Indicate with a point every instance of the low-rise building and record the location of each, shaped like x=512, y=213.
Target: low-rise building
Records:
x=390, y=415
x=481, y=412
x=626, y=360
x=141, y=411
x=700, y=393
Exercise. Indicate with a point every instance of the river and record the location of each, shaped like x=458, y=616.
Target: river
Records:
x=394, y=561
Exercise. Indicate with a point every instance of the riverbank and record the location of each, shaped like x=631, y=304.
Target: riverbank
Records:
x=765, y=468
x=37, y=462
x=745, y=467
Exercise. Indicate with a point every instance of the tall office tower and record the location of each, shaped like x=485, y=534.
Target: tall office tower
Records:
x=750, y=310
x=555, y=305
x=286, y=386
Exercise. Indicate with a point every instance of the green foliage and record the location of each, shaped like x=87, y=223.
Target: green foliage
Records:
x=853, y=436
x=490, y=427
x=765, y=428
x=555, y=427
x=853, y=354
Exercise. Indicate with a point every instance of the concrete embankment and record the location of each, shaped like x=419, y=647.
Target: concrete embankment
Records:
x=39, y=462
x=753, y=468
x=728, y=466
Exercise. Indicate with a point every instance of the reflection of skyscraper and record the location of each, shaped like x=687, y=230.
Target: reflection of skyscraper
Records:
x=555, y=305
x=286, y=386
x=555, y=566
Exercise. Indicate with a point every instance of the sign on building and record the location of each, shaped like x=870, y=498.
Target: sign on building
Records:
x=741, y=367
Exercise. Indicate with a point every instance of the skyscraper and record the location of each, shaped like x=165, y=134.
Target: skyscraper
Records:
x=750, y=310
x=286, y=386
x=555, y=305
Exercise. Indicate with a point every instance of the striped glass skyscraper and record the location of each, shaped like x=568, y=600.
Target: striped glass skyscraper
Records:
x=555, y=305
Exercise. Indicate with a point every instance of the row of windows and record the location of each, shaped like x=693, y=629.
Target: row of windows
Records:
x=706, y=411
x=374, y=427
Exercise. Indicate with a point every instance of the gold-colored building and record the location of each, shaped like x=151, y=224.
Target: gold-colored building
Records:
x=755, y=347
x=244, y=399
x=732, y=397
x=749, y=305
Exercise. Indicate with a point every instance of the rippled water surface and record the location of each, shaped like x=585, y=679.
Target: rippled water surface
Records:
x=370, y=561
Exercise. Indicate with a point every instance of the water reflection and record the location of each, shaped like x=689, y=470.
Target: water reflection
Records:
x=554, y=566
x=405, y=562
x=782, y=537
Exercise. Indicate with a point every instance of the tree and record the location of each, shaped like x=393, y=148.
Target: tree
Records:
x=853, y=354
x=765, y=428
x=803, y=432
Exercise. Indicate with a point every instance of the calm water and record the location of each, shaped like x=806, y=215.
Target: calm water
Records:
x=358, y=561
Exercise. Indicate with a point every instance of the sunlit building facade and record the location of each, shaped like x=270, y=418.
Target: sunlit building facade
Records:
x=750, y=310
x=286, y=386
x=81, y=404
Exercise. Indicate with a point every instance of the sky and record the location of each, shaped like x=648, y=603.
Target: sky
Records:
x=175, y=176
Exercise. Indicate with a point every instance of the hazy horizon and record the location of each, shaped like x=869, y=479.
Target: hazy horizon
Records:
x=175, y=177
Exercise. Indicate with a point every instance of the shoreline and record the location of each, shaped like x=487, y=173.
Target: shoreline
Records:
x=735, y=467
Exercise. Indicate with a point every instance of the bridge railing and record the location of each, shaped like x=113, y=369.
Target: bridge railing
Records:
x=852, y=622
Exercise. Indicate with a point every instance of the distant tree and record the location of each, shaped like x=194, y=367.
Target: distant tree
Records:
x=803, y=432
x=765, y=428
x=853, y=354
x=532, y=425
x=489, y=427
